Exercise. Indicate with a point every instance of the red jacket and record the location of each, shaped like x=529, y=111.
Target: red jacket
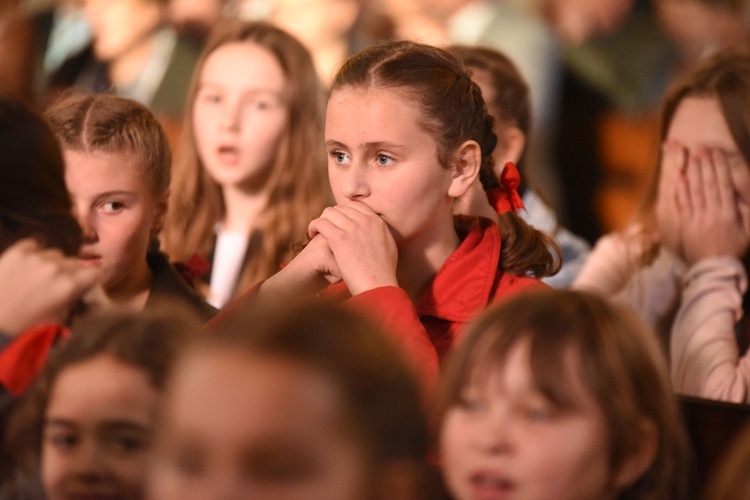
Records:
x=23, y=359
x=468, y=281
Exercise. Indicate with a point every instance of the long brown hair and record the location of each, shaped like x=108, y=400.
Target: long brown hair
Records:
x=621, y=364
x=453, y=111
x=297, y=185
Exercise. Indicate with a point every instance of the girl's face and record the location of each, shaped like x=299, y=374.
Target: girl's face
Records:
x=505, y=439
x=240, y=113
x=250, y=426
x=698, y=122
x=379, y=154
x=122, y=25
x=116, y=208
x=97, y=431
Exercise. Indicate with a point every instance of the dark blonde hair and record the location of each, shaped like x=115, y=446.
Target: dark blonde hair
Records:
x=107, y=123
x=146, y=340
x=33, y=199
x=297, y=184
x=620, y=363
x=453, y=111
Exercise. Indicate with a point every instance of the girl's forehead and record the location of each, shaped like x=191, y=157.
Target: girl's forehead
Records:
x=522, y=369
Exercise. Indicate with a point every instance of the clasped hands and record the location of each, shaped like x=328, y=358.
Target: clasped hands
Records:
x=701, y=210
x=351, y=243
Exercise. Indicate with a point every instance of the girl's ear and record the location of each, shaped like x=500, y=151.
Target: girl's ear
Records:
x=511, y=143
x=160, y=212
x=639, y=458
x=465, y=168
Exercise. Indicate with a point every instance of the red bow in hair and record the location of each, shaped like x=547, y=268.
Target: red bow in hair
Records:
x=506, y=198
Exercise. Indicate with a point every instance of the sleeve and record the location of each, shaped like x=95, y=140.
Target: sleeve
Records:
x=706, y=361
x=392, y=307
x=24, y=358
x=609, y=266
x=616, y=269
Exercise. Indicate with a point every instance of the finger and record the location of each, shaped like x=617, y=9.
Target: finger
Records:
x=674, y=159
x=695, y=186
x=25, y=245
x=724, y=182
x=743, y=212
x=361, y=208
x=709, y=180
x=346, y=218
x=684, y=203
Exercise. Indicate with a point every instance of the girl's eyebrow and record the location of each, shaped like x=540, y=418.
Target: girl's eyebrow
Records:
x=367, y=145
x=58, y=422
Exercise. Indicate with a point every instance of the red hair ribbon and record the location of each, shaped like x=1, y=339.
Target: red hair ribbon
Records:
x=506, y=198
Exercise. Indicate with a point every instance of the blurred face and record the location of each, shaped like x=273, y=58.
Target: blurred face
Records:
x=97, y=431
x=379, y=154
x=238, y=425
x=240, y=114
x=580, y=20
x=122, y=25
x=116, y=208
x=505, y=439
x=698, y=122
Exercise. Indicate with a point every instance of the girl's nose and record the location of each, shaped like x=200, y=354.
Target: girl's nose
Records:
x=494, y=435
x=230, y=116
x=89, y=462
x=87, y=223
x=354, y=182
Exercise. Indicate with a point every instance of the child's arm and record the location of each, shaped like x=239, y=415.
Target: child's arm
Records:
x=705, y=357
x=310, y=272
x=396, y=313
x=716, y=233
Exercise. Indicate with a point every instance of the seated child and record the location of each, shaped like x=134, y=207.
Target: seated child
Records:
x=250, y=169
x=309, y=402
x=117, y=170
x=559, y=394
x=507, y=96
x=407, y=133
x=85, y=427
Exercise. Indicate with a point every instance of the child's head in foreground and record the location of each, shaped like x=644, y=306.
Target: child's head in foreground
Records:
x=117, y=170
x=559, y=394
x=312, y=403
x=86, y=424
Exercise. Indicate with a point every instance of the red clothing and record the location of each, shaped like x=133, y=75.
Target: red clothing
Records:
x=468, y=281
x=24, y=358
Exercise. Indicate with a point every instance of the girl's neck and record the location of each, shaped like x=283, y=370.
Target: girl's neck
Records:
x=125, y=69
x=242, y=209
x=420, y=260
x=134, y=291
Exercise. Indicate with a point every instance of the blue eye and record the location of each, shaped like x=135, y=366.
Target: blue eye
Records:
x=340, y=157
x=384, y=159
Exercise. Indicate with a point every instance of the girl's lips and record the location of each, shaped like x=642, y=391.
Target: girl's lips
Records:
x=90, y=260
x=228, y=154
x=489, y=486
